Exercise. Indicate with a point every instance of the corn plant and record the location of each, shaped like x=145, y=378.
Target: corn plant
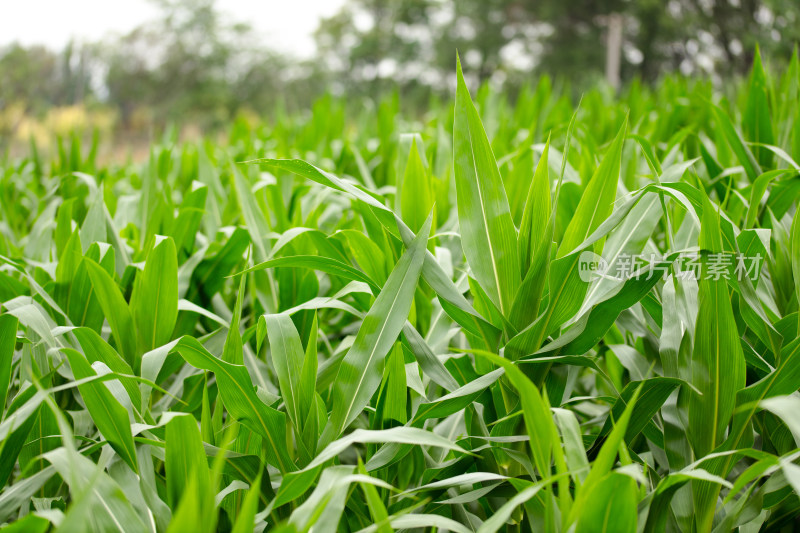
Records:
x=528, y=315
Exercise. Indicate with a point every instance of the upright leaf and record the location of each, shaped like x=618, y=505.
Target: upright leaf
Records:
x=185, y=459
x=488, y=237
x=718, y=367
x=154, y=301
x=612, y=507
x=734, y=139
x=108, y=414
x=232, y=350
x=795, y=249
x=245, y=520
x=756, y=121
x=416, y=193
x=287, y=357
x=597, y=200
x=361, y=369
x=536, y=213
x=8, y=340
x=116, y=311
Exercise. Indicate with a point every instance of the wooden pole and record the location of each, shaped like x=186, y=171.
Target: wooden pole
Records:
x=613, y=49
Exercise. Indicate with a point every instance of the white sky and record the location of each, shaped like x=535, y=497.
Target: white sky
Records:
x=285, y=25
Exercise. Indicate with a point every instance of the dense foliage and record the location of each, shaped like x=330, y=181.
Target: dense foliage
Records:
x=403, y=332
x=196, y=64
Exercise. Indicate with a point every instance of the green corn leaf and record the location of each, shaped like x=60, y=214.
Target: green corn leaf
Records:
x=323, y=508
x=190, y=215
x=108, y=414
x=232, y=351
x=67, y=267
x=23, y=421
x=377, y=509
x=96, y=349
x=535, y=237
x=392, y=394
x=98, y=500
x=360, y=371
x=367, y=255
x=8, y=341
x=611, y=506
x=538, y=419
x=154, y=301
x=604, y=462
x=597, y=200
x=734, y=139
x=431, y=270
x=185, y=464
x=416, y=192
x=245, y=520
x=325, y=264
x=398, y=435
x=653, y=392
x=83, y=306
x=718, y=367
x=756, y=122
x=717, y=360
x=780, y=382
x=288, y=358
x=241, y=401
x=427, y=360
x=209, y=276
x=29, y=524
x=587, y=332
x=536, y=214
x=116, y=311
x=308, y=372
x=488, y=236
x=795, y=249
x=458, y=399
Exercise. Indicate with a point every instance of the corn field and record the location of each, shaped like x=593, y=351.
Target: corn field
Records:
x=511, y=314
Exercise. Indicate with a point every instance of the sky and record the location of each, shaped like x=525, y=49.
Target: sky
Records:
x=285, y=25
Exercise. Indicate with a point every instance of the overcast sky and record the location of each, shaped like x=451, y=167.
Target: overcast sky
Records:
x=285, y=25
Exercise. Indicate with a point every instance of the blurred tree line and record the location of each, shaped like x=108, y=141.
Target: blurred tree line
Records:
x=193, y=65
x=414, y=40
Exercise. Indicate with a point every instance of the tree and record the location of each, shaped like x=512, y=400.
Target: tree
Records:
x=413, y=42
x=19, y=67
x=182, y=65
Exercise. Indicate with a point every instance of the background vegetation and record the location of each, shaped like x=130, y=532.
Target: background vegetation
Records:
x=196, y=68
x=325, y=321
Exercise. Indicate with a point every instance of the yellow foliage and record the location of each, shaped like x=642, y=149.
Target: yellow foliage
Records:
x=58, y=121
